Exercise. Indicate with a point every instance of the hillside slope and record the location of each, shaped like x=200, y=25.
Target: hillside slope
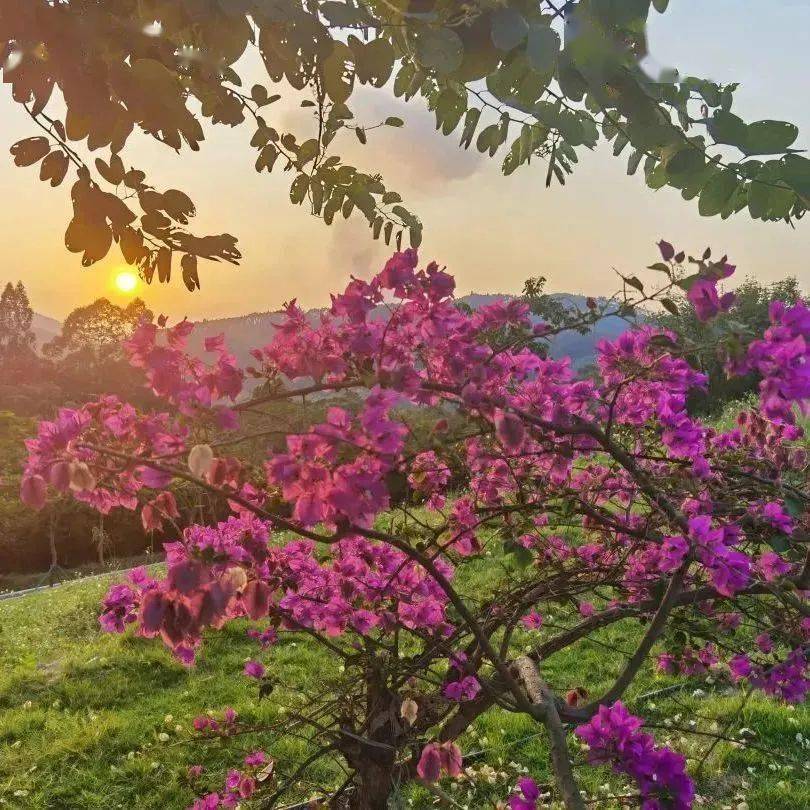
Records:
x=242, y=333
x=90, y=721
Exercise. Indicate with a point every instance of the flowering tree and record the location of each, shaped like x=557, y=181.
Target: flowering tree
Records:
x=615, y=501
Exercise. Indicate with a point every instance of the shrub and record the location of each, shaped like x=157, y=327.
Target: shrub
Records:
x=611, y=503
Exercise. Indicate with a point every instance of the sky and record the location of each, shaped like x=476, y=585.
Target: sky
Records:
x=492, y=232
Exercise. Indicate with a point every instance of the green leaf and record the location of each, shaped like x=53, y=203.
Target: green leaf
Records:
x=660, y=5
x=307, y=151
x=523, y=557
x=344, y=14
x=393, y=121
x=403, y=80
x=30, y=150
x=767, y=197
x=634, y=160
x=686, y=283
x=450, y=106
x=778, y=542
x=470, y=123
x=188, y=264
x=259, y=94
x=543, y=48
x=316, y=194
x=440, y=49
x=267, y=158
x=620, y=143
x=403, y=213
x=509, y=28
x=657, y=176
x=684, y=163
x=796, y=173
x=794, y=506
x=769, y=137
x=717, y=192
x=488, y=139
x=571, y=81
x=725, y=127
x=338, y=76
x=670, y=306
x=298, y=190
x=374, y=61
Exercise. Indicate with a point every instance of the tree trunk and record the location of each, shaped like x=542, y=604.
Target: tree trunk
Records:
x=101, y=538
x=52, y=542
x=371, y=750
x=373, y=783
x=541, y=697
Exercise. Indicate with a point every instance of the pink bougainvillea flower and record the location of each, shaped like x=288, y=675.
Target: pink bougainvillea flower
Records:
x=254, y=669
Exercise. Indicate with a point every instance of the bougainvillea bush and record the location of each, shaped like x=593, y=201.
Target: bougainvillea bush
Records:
x=619, y=506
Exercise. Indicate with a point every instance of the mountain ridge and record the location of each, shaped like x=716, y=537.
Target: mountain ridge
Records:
x=245, y=332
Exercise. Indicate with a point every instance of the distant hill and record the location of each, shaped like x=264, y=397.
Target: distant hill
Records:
x=242, y=333
x=245, y=332
x=45, y=328
x=580, y=348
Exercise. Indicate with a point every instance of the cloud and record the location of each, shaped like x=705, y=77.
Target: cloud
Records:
x=414, y=159
x=417, y=157
x=353, y=251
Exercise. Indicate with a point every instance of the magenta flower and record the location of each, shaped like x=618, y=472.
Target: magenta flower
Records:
x=254, y=669
x=526, y=796
x=255, y=759
x=437, y=759
x=706, y=300
x=613, y=736
x=532, y=620
x=463, y=690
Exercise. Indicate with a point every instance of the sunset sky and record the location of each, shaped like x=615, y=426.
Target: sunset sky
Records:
x=492, y=232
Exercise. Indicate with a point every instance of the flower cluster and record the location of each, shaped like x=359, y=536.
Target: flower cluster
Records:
x=324, y=490
x=439, y=759
x=526, y=795
x=788, y=680
x=782, y=357
x=363, y=586
x=188, y=383
x=240, y=784
x=429, y=476
x=614, y=737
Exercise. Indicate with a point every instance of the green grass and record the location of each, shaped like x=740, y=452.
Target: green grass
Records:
x=81, y=713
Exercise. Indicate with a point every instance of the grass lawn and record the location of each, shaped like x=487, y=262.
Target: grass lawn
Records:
x=89, y=720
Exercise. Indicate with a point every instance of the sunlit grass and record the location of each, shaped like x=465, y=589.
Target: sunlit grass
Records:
x=81, y=713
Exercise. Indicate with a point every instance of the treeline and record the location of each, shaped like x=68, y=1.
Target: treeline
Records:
x=747, y=317
x=83, y=361
x=80, y=363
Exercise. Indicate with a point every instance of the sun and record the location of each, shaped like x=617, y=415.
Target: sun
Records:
x=126, y=282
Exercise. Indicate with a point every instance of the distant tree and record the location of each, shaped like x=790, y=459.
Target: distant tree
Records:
x=87, y=355
x=16, y=316
x=21, y=379
x=100, y=326
x=748, y=316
